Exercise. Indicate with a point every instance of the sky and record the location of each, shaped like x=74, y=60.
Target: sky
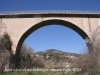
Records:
x=53, y=36
x=17, y=5
x=56, y=37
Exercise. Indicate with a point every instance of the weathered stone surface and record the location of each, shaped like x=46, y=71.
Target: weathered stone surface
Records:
x=16, y=27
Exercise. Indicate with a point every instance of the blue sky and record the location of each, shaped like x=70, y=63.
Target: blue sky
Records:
x=49, y=37
x=17, y=5
x=56, y=37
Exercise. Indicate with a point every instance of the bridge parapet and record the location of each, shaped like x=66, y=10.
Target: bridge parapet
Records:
x=48, y=12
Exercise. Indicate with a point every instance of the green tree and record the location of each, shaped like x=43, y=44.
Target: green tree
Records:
x=6, y=42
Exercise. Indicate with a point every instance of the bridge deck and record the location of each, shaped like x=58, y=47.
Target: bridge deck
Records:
x=46, y=13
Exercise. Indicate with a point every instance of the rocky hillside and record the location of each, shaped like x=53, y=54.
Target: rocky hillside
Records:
x=57, y=57
x=53, y=52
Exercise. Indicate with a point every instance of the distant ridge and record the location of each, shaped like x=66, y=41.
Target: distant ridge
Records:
x=54, y=51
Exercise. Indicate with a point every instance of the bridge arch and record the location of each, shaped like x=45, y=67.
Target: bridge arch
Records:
x=45, y=23
x=49, y=22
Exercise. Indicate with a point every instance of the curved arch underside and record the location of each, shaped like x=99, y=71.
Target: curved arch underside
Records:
x=45, y=23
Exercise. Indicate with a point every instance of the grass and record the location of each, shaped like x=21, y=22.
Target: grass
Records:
x=34, y=73
x=49, y=72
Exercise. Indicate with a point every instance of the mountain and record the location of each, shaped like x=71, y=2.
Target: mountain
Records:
x=56, y=52
x=56, y=58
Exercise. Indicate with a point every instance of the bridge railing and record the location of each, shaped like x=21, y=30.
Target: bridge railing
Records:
x=48, y=12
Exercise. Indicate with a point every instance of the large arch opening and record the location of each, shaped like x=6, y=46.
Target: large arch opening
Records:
x=55, y=37
x=45, y=23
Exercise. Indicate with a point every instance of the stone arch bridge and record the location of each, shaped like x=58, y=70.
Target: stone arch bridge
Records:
x=20, y=24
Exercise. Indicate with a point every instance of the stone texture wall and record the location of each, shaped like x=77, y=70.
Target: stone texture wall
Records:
x=16, y=27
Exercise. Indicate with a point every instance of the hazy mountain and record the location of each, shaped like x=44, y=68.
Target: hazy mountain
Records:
x=57, y=52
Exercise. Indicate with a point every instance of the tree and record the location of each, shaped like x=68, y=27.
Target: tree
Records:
x=5, y=51
x=4, y=60
x=29, y=59
x=91, y=57
x=6, y=42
